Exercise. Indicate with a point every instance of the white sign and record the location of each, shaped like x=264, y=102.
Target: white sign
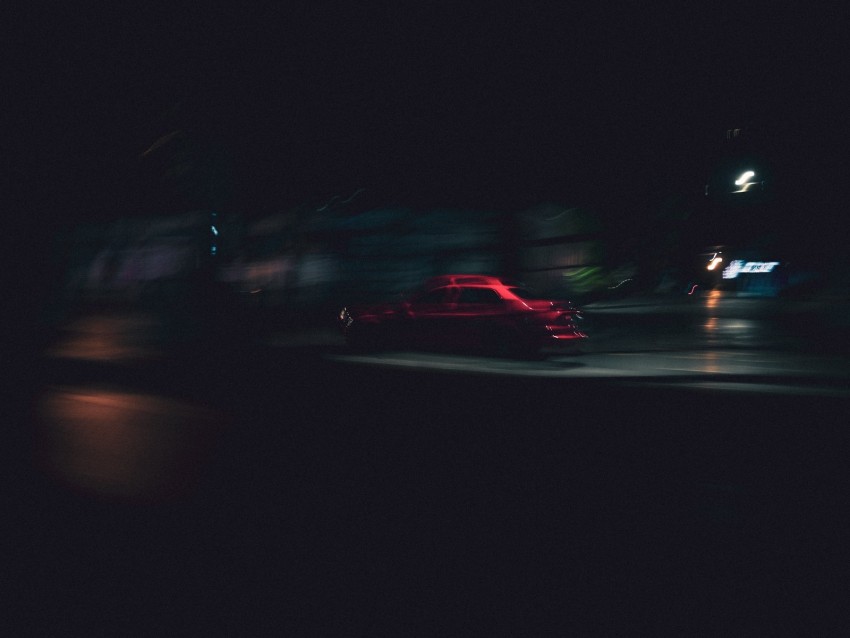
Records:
x=738, y=266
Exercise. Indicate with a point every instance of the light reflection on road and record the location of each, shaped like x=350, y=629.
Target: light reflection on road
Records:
x=732, y=332
x=109, y=338
x=711, y=362
x=722, y=364
x=121, y=444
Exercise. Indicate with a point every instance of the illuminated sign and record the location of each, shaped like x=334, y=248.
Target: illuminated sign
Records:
x=738, y=266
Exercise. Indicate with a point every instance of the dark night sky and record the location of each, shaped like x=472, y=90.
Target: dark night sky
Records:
x=462, y=107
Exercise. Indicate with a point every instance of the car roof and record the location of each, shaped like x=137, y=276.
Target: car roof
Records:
x=455, y=280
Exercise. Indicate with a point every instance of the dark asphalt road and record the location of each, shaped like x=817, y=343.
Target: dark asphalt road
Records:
x=276, y=490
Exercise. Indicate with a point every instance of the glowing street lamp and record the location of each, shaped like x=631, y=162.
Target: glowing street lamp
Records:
x=744, y=182
x=744, y=178
x=714, y=262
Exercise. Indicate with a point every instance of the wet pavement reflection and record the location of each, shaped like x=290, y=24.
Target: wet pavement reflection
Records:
x=119, y=443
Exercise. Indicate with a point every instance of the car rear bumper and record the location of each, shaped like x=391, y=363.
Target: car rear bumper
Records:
x=561, y=341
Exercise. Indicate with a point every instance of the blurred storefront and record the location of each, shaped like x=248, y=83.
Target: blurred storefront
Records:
x=745, y=272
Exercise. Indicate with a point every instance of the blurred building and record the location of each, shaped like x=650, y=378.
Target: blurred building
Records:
x=308, y=260
x=560, y=249
x=140, y=260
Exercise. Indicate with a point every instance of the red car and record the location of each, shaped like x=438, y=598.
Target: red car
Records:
x=467, y=312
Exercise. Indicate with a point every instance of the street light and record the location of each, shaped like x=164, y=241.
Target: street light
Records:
x=744, y=182
x=744, y=178
x=712, y=264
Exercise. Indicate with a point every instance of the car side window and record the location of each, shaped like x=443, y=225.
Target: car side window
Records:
x=440, y=295
x=479, y=296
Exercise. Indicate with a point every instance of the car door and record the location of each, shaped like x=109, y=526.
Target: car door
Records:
x=427, y=315
x=477, y=311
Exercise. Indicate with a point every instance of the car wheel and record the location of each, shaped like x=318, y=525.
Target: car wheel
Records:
x=505, y=344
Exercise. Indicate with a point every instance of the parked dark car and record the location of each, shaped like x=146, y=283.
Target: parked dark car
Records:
x=463, y=313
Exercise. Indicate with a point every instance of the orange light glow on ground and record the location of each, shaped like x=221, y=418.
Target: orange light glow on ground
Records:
x=122, y=444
